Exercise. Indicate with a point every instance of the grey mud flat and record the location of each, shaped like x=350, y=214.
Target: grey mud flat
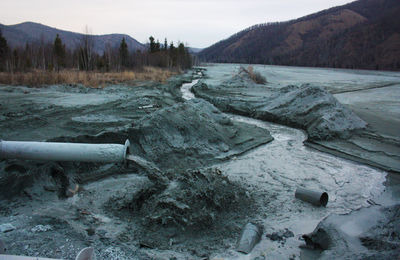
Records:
x=71, y=110
x=199, y=175
x=168, y=204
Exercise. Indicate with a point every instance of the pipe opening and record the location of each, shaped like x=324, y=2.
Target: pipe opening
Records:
x=127, y=148
x=324, y=199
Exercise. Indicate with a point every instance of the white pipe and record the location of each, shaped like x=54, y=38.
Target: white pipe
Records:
x=77, y=152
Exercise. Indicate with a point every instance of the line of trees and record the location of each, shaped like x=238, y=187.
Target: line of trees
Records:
x=54, y=56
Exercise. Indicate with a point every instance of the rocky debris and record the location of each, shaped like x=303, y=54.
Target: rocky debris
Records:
x=339, y=236
x=41, y=228
x=280, y=235
x=308, y=107
x=7, y=227
x=72, y=191
x=388, y=240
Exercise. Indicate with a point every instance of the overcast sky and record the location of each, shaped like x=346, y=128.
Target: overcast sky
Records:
x=198, y=23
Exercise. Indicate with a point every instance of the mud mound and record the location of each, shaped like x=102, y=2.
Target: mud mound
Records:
x=31, y=180
x=308, y=107
x=193, y=134
x=164, y=206
x=191, y=206
x=311, y=108
x=245, y=78
x=195, y=198
x=183, y=136
x=187, y=135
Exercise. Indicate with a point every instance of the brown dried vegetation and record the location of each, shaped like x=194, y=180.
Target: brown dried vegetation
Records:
x=37, y=78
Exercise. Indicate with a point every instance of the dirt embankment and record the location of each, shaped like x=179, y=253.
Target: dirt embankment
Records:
x=165, y=201
x=330, y=126
x=308, y=107
x=379, y=144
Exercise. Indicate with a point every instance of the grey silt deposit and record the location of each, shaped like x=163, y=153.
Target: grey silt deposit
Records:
x=195, y=175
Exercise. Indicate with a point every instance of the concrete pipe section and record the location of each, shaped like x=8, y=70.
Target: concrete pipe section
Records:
x=250, y=236
x=76, y=152
x=317, y=198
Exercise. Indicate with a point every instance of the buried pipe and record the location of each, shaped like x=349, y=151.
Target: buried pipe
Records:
x=250, y=236
x=77, y=152
x=317, y=198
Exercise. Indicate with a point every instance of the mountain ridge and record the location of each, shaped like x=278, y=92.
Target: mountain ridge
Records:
x=363, y=34
x=18, y=35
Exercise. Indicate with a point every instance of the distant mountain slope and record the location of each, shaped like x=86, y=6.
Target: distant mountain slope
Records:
x=20, y=34
x=195, y=50
x=362, y=34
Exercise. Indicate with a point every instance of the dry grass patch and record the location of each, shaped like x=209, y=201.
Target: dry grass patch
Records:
x=39, y=78
x=256, y=76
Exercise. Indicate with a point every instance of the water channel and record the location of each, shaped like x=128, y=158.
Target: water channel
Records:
x=274, y=170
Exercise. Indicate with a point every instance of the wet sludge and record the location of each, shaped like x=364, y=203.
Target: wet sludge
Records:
x=200, y=207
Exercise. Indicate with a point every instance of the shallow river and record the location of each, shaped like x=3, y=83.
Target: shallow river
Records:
x=273, y=171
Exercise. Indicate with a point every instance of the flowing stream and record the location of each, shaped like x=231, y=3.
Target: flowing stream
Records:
x=274, y=170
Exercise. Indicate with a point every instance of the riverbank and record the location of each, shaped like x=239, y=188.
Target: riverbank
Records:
x=363, y=126
x=39, y=78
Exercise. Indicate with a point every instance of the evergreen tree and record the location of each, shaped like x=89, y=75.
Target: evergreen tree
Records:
x=152, y=45
x=3, y=51
x=165, y=45
x=173, y=55
x=158, y=46
x=59, y=53
x=123, y=53
x=181, y=49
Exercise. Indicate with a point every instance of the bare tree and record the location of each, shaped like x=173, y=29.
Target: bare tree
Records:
x=86, y=50
x=42, y=54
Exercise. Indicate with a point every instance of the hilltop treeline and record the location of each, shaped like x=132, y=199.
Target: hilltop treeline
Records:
x=53, y=56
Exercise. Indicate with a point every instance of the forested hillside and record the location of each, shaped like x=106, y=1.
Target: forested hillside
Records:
x=31, y=46
x=34, y=33
x=363, y=34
